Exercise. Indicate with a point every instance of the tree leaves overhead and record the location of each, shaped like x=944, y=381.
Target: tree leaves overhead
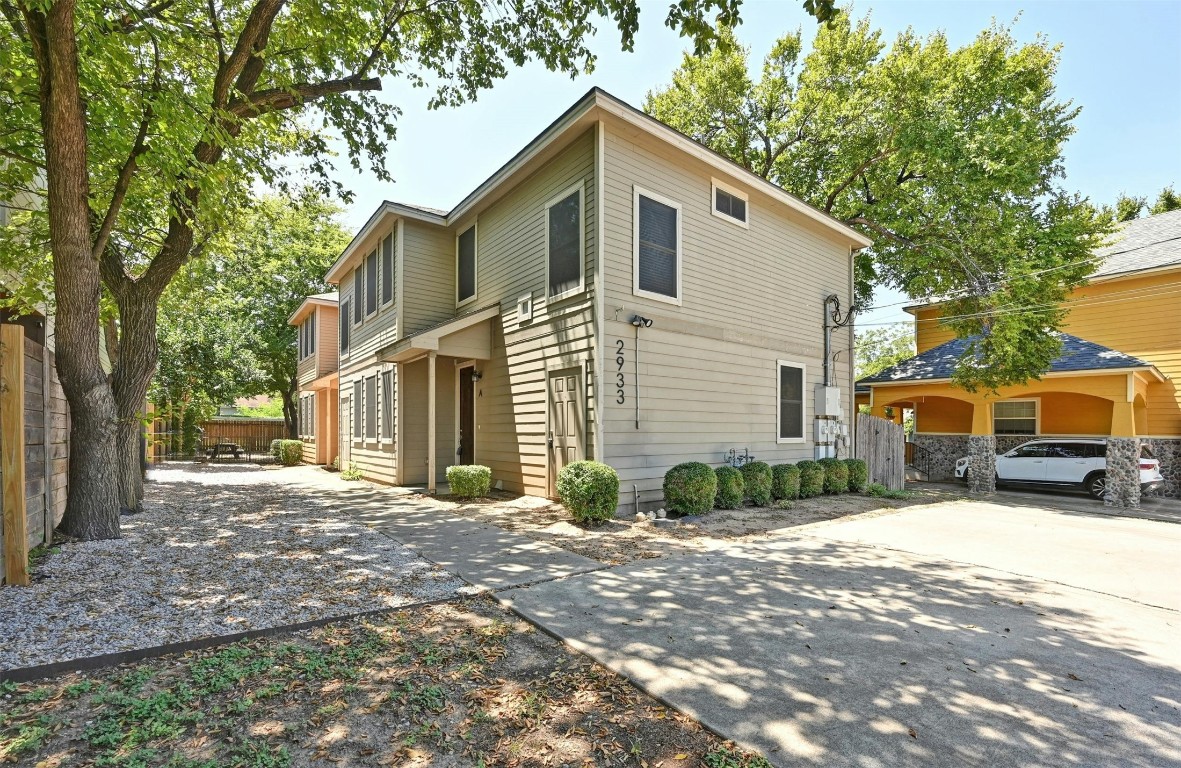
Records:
x=950, y=159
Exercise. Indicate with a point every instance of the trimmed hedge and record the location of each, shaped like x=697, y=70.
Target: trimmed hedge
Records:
x=858, y=474
x=836, y=475
x=756, y=482
x=690, y=488
x=290, y=452
x=275, y=447
x=590, y=490
x=731, y=490
x=811, y=478
x=469, y=481
x=785, y=482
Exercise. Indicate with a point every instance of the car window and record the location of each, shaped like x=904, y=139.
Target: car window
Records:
x=1038, y=451
x=1097, y=451
x=1068, y=451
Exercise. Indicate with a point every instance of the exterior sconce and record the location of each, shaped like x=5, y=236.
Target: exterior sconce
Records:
x=476, y=376
x=638, y=321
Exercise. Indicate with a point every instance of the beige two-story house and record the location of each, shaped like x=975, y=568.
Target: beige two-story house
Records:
x=616, y=292
x=318, y=404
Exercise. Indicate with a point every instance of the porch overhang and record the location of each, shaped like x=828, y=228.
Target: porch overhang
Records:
x=327, y=381
x=467, y=336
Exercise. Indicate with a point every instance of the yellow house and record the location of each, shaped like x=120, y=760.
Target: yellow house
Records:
x=1117, y=376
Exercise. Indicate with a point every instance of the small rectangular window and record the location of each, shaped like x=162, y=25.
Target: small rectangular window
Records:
x=387, y=405
x=791, y=402
x=564, y=243
x=311, y=427
x=371, y=408
x=729, y=203
x=344, y=328
x=1015, y=417
x=356, y=410
x=312, y=333
x=358, y=290
x=387, y=270
x=371, y=283
x=465, y=265
x=657, y=268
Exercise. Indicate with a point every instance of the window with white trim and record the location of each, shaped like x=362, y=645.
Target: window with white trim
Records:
x=564, y=243
x=465, y=265
x=358, y=290
x=790, y=401
x=344, y=327
x=730, y=203
x=371, y=283
x=387, y=405
x=357, y=411
x=387, y=270
x=371, y=408
x=657, y=249
x=1014, y=417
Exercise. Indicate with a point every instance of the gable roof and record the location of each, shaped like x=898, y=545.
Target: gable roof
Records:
x=568, y=126
x=330, y=299
x=1153, y=242
x=938, y=363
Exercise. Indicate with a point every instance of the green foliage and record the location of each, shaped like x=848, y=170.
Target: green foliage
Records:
x=960, y=187
x=880, y=491
x=731, y=490
x=351, y=472
x=1128, y=207
x=290, y=452
x=756, y=482
x=836, y=475
x=858, y=474
x=590, y=490
x=275, y=445
x=730, y=756
x=469, y=481
x=1166, y=201
x=785, y=482
x=690, y=488
x=272, y=409
x=876, y=349
x=811, y=478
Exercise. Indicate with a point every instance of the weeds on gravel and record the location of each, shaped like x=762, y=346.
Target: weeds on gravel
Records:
x=730, y=756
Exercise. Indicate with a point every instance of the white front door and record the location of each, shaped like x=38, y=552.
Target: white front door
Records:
x=566, y=439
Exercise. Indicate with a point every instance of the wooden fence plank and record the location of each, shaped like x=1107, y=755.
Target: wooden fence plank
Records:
x=882, y=445
x=12, y=454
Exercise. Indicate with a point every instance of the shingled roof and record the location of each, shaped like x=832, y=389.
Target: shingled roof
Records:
x=939, y=362
x=1142, y=244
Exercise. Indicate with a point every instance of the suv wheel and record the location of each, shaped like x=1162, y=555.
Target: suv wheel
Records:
x=1096, y=485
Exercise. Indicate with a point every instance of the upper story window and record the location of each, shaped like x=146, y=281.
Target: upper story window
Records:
x=358, y=292
x=387, y=270
x=1014, y=417
x=656, y=258
x=564, y=243
x=790, y=402
x=730, y=203
x=465, y=266
x=307, y=336
x=344, y=326
x=370, y=284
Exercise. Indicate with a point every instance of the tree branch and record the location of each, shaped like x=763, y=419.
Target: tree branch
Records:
x=274, y=99
x=21, y=159
x=250, y=42
x=880, y=229
x=130, y=21
x=831, y=200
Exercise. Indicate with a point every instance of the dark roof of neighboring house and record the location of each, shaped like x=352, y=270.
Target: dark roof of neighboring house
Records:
x=1149, y=243
x=939, y=362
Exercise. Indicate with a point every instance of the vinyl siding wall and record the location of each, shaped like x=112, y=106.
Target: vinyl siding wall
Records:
x=707, y=369
x=428, y=272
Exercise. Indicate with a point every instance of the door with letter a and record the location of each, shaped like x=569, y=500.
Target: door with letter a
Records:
x=567, y=420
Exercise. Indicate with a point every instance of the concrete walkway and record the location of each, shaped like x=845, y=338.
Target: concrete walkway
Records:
x=844, y=649
x=487, y=557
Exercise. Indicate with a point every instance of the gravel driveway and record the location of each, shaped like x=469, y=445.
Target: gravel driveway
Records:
x=218, y=550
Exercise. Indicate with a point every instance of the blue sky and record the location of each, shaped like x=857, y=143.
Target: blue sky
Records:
x=1120, y=61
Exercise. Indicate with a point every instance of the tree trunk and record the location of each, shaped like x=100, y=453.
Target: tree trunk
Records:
x=138, y=353
x=290, y=413
x=92, y=508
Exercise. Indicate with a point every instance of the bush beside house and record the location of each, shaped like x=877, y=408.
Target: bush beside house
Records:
x=690, y=488
x=289, y=452
x=590, y=490
x=858, y=474
x=756, y=482
x=469, y=481
x=731, y=489
x=811, y=479
x=836, y=475
x=785, y=482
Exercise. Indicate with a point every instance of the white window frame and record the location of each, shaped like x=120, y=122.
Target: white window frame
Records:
x=311, y=425
x=392, y=237
x=779, y=402
x=376, y=437
x=715, y=185
x=358, y=295
x=1037, y=416
x=525, y=307
x=475, y=264
x=636, y=193
x=345, y=312
x=376, y=254
x=381, y=405
x=357, y=399
x=580, y=189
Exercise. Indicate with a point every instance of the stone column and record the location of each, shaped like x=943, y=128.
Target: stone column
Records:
x=1123, y=472
x=981, y=464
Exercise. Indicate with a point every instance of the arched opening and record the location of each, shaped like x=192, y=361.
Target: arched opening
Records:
x=943, y=415
x=1073, y=413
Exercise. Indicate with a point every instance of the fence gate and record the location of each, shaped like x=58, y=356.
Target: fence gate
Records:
x=882, y=445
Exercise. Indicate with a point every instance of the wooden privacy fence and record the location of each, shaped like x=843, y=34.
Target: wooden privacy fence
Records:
x=882, y=445
x=34, y=449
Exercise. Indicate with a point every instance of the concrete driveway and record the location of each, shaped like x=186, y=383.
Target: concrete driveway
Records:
x=951, y=634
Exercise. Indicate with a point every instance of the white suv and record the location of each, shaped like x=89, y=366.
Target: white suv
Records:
x=1079, y=463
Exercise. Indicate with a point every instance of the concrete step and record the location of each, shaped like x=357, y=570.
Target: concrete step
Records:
x=915, y=475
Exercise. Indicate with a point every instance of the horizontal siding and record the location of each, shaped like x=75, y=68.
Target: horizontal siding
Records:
x=415, y=423
x=377, y=330
x=428, y=275
x=377, y=460
x=707, y=369
x=929, y=332
x=327, y=348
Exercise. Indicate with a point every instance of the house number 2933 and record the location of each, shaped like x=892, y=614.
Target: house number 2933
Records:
x=621, y=398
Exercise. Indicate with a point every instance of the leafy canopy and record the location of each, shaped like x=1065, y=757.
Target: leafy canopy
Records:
x=951, y=159
x=876, y=349
x=1128, y=207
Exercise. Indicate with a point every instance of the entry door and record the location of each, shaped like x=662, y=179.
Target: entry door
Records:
x=343, y=427
x=567, y=439
x=466, y=453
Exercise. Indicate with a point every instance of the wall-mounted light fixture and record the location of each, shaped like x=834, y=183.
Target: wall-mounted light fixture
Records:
x=476, y=375
x=638, y=321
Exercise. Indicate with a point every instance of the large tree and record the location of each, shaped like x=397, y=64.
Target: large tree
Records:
x=951, y=159
x=1128, y=207
x=876, y=349
x=143, y=122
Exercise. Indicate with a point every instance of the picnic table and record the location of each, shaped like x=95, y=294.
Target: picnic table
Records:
x=222, y=449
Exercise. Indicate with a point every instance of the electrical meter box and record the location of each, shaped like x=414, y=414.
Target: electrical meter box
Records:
x=828, y=401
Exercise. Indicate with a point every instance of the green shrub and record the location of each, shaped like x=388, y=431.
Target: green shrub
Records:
x=290, y=452
x=836, y=475
x=590, y=490
x=785, y=481
x=353, y=472
x=881, y=491
x=756, y=482
x=858, y=474
x=731, y=490
x=469, y=481
x=690, y=488
x=811, y=478
x=275, y=447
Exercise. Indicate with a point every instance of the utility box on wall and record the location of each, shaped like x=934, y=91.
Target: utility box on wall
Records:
x=828, y=401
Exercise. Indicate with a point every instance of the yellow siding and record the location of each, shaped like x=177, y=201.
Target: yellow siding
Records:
x=929, y=332
x=943, y=415
x=1070, y=413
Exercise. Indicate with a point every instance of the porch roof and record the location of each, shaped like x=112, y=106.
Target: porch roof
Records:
x=938, y=363
x=435, y=339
